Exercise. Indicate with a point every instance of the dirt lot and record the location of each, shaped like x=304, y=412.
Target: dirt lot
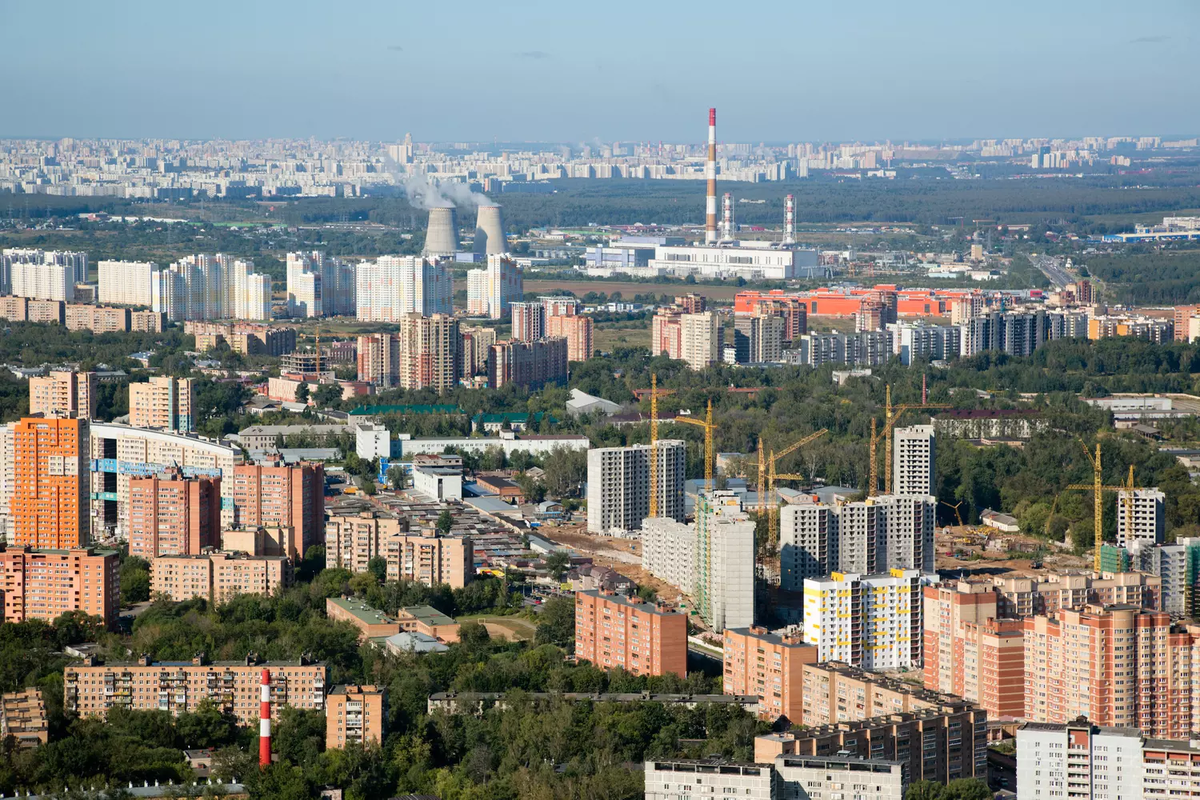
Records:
x=1001, y=561
x=622, y=555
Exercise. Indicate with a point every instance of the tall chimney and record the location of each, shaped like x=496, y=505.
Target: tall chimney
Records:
x=264, y=721
x=710, y=171
x=727, y=217
x=789, y=219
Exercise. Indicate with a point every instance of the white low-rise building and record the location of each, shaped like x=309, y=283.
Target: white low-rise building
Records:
x=438, y=483
x=507, y=441
x=749, y=260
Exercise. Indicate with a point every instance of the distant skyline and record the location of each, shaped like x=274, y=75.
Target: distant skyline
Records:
x=568, y=72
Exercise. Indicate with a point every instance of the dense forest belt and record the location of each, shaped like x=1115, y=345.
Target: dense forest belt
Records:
x=1143, y=276
x=822, y=200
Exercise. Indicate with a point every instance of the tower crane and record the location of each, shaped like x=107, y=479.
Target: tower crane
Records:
x=654, y=444
x=708, y=426
x=892, y=415
x=955, y=506
x=772, y=502
x=1097, y=488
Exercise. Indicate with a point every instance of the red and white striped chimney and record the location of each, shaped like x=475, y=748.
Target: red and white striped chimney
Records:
x=789, y=219
x=710, y=171
x=264, y=721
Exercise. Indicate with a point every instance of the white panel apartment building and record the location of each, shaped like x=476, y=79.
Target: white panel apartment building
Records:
x=1081, y=761
x=724, y=561
x=391, y=286
x=700, y=339
x=669, y=552
x=1140, y=517
x=491, y=291
x=202, y=286
x=319, y=285
x=18, y=271
x=619, y=486
x=912, y=460
x=868, y=621
x=864, y=537
x=125, y=283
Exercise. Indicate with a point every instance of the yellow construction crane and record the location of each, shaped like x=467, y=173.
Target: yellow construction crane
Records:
x=892, y=415
x=772, y=501
x=955, y=507
x=1097, y=488
x=654, y=444
x=709, y=427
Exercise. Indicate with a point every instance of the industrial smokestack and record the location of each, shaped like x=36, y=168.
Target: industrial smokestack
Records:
x=264, y=721
x=710, y=172
x=727, y=217
x=789, y=219
x=489, y=231
x=441, y=237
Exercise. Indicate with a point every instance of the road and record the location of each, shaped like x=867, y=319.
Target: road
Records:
x=1052, y=268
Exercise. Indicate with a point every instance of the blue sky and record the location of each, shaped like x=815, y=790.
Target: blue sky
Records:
x=574, y=71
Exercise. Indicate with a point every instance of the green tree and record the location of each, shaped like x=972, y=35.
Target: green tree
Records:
x=445, y=522
x=377, y=566
x=557, y=563
x=134, y=580
x=302, y=393
x=556, y=622
x=328, y=395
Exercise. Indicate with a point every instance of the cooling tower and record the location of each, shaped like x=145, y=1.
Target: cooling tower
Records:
x=489, y=231
x=441, y=238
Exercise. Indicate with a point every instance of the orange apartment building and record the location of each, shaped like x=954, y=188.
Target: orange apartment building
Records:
x=947, y=607
x=1023, y=596
x=218, y=577
x=51, y=476
x=835, y=692
x=43, y=584
x=23, y=716
x=847, y=303
x=352, y=540
x=775, y=303
x=614, y=631
x=92, y=687
x=170, y=514
x=577, y=330
x=1118, y=666
x=63, y=393
x=276, y=495
x=769, y=665
x=98, y=319
x=355, y=715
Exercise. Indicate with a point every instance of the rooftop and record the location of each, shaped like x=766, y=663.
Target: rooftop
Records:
x=361, y=611
x=646, y=608
x=365, y=411
x=427, y=614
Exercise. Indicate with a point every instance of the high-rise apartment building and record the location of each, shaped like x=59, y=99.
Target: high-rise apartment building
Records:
x=1177, y=567
x=758, y=338
x=770, y=665
x=44, y=584
x=203, y=287
x=864, y=537
x=1082, y=761
x=971, y=653
x=476, y=348
x=63, y=393
x=528, y=321
x=51, y=483
x=163, y=403
x=379, y=359
x=619, y=485
x=392, y=286
x=577, y=330
x=428, y=352
x=700, y=339
x=20, y=259
x=278, y=495
x=527, y=364
x=1116, y=665
x=170, y=514
x=126, y=283
x=319, y=285
x=491, y=291
x=868, y=621
x=216, y=577
x=913, y=460
x=92, y=687
x=1141, y=517
x=614, y=631
x=724, y=561
x=355, y=715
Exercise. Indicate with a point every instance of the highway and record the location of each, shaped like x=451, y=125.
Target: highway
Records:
x=1052, y=268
